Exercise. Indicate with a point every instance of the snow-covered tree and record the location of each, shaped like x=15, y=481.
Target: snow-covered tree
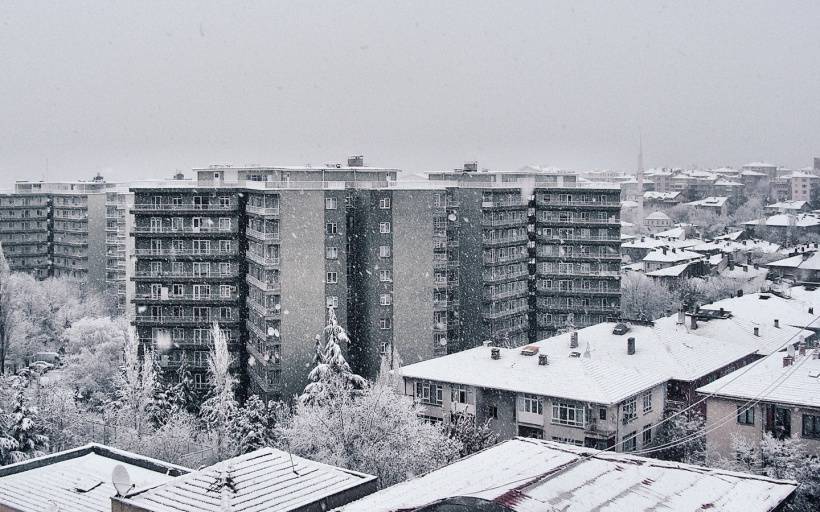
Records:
x=26, y=430
x=136, y=385
x=182, y=396
x=472, y=435
x=254, y=425
x=331, y=373
x=5, y=308
x=642, y=298
x=682, y=427
x=65, y=424
x=94, y=351
x=378, y=431
x=220, y=407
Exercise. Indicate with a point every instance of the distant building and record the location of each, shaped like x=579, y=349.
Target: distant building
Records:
x=716, y=205
x=790, y=206
x=772, y=396
x=657, y=221
x=78, y=480
x=804, y=187
x=765, y=168
x=787, y=226
x=523, y=475
x=669, y=257
x=264, y=479
x=662, y=199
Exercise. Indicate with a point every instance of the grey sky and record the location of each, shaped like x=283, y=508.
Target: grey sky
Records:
x=137, y=89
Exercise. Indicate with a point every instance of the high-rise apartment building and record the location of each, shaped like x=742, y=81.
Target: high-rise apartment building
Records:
x=25, y=232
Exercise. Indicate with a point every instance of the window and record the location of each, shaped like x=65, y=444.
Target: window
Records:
x=225, y=291
x=629, y=443
x=458, y=395
x=201, y=268
x=224, y=202
x=332, y=278
x=225, y=224
x=332, y=253
x=492, y=412
x=385, y=276
x=384, y=203
x=156, y=268
x=630, y=410
x=156, y=291
x=177, y=290
x=177, y=224
x=331, y=203
x=602, y=413
x=202, y=291
x=225, y=268
x=225, y=313
x=647, y=402
x=385, y=323
x=332, y=301
x=745, y=416
x=532, y=404
x=384, y=227
x=156, y=224
x=331, y=228
x=384, y=251
x=811, y=426
x=384, y=348
x=224, y=246
x=429, y=393
x=385, y=299
x=646, y=435
x=568, y=414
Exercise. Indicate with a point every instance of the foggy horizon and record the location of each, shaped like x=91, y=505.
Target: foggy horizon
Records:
x=140, y=90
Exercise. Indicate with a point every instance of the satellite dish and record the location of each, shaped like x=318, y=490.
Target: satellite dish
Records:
x=121, y=480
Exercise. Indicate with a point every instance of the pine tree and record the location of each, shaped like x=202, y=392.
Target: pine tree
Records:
x=682, y=426
x=26, y=430
x=220, y=407
x=182, y=396
x=254, y=425
x=331, y=373
x=472, y=436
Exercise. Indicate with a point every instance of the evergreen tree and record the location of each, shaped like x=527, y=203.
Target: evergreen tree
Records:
x=331, y=373
x=682, y=426
x=26, y=430
x=471, y=435
x=254, y=425
x=182, y=396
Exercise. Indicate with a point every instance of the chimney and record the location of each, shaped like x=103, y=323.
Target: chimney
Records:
x=470, y=166
x=787, y=361
x=740, y=293
x=487, y=343
x=543, y=359
x=757, y=331
x=573, y=339
x=495, y=353
x=694, y=324
x=777, y=323
x=630, y=346
x=802, y=349
x=355, y=161
x=664, y=250
x=721, y=311
x=681, y=317
x=811, y=311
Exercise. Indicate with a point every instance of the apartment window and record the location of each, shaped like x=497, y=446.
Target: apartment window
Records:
x=384, y=227
x=384, y=348
x=458, y=395
x=177, y=267
x=225, y=224
x=202, y=314
x=568, y=414
x=385, y=276
x=201, y=268
x=156, y=224
x=629, y=442
x=646, y=435
x=385, y=323
x=602, y=413
x=224, y=246
x=492, y=412
x=177, y=224
x=225, y=291
x=331, y=203
x=225, y=313
x=176, y=201
x=532, y=404
x=178, y=334
x=384, y=203
x=811, y=426
x=332, y=301
x=200, y=246
x=385, y=299
x=332, y=278
x=630, y=410
x=177, y=290
x=646, y=398
x=332, y=253
x=746, y=416
x=429, y=393
x=384, y=251
x=202, y=291
x=224, y=202
x=225, y=268
x=331, y=228
x=156, y=291
x=156, y=200
x=156, y=268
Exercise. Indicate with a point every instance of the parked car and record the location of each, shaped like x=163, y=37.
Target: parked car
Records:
x=41, y=367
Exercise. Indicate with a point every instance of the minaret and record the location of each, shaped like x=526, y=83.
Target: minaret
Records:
x=640, y=177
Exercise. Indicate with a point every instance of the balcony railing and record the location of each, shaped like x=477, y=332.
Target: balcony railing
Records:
x=579, y=238
x=504, y=240
x=142, y=207
x=261, y=210
x=212, y=297
x=577, y=202
x=505, y=295
x=443, y=304
x=577, y=257
x=579, y=291
x=492, y=276
x=578, y=308
x=184, y=252
x=599, y=273
x=266, y=311
x=503, y=222
x=553, y=220
x=266, y=261
x=490, y=314
x=194, y=275
x=262, y=235
x=269, y=286
x=184, y=230
x=184, y=319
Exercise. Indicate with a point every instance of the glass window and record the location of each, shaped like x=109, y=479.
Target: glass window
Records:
x=568, y=414
x=630, y=411
x=647, y=401
x=811, y=426
x=746, y=416
x=384, y=203
x=384, y=227
x=532, y=404
x=332, y=253
x=332, y=278
x=331, y=203
x=384, y=251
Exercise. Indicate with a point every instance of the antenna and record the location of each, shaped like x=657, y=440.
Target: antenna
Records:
x=292, y=465
x=121, y=480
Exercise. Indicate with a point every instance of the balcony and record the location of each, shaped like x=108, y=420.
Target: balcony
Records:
x=492, y=315
x=259, y=259
x=498, y=223
x=262, y=285
x=576, y=308
x=445, y=304
x=599, y=429
x=262, y=310
x=580, y=257
x=181, y=320
x=577, y=273
x=172, y=253
x=261, y=210
x=579, y=238
x=262, y=235
x=152, y=298
x=63, y=229
x=147, y=274
x=518, y=258
x=185, y=230
x=577, y=290
x=492, y=277
x=259, y=332
x=183, y=208
x=539, y=201
x=580, y=222
x=508, y=205
x=505, y=241
x=490, y=297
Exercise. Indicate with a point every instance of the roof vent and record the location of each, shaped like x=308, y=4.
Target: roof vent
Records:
x=487, y=343
x=543, y=359
x=811, y=311
x=788, y=361
x=355, y=161
x=740, y=293
x=495, y=353
x=470, y=166
x=573, y=339
x=757, y=331
x=574, y=354
x=529, y=350
x=777, y=323
x=630, y=346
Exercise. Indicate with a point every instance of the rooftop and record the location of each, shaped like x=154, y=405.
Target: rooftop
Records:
x=786, y=219
x=77, y=480
x=660, y=195
x=787, y=205
x=264, y=480
x=528, y=475
x=716, y=202
x=770, y=381
x=657, y=216
x=673, y=271
x=671, y=255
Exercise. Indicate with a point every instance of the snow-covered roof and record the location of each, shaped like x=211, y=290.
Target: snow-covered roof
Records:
x=752, y=173
x=77, y=480
x=665, y=256
x=712, y=201
x=677, y=232
x=770, y=381
x=747, y=272
x=650, y=242
x=660, y=195
x=723, y=182
x=759, y=164
x=729, y=246
x=673, y=271
x=657, y=216
x=786, y=219
x=629, y=204
x=263, y=480
x=800, y=174
x=805, y=261
x=787, y=205
x=734, y=235
x=529, y=475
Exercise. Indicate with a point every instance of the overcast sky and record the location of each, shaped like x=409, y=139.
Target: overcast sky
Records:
x=137, y=89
